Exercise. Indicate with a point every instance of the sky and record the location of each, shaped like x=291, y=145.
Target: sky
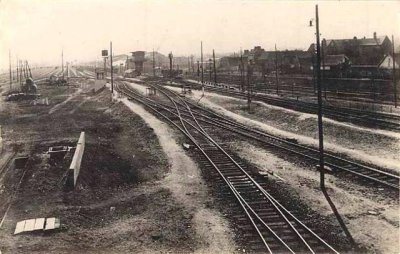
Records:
x=38, y=30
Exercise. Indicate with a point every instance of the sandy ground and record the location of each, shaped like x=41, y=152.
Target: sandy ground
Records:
x=185, y=182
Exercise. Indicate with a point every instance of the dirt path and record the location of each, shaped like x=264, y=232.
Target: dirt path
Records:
x=184, y=181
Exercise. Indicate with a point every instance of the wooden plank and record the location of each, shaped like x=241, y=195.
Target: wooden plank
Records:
x=50, y=223
x=57, y=223
x=29, y=225
x=39, y=224
x=77, y=159
x=20, y=227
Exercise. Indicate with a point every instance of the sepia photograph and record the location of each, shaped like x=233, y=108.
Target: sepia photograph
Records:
x=199, y=126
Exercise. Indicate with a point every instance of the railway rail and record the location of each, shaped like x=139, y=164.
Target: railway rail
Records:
x=339, y=164
x=354, y=89
x=365, y=118
x=276, y=228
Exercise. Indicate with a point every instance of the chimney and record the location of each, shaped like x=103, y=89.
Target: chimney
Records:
x=375, y=35
x=324, y=42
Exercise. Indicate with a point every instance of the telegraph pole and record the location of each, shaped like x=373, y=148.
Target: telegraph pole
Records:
x=17, y=71
x=105, y=67
x=192, y=63
x=154, y=65
x=24, y=69
x=62, y=62
x=394, y=75
x=320, y=129
x=210, y=66
x=112, y=73
x=20, y=73
x=202, y=69
x=29, y=69
x=215, y=69
x=323, y=66
x=9, y=59
x=249, y=76
x=241, y=70
x=276, y=71
x=188, y=65
x=170, y=64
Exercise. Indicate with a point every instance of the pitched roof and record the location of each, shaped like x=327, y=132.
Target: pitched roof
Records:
x=332, y=60
x=372, y=41
x=378, y=41
x=387, y=62
x=341, y=44
x=285, y=54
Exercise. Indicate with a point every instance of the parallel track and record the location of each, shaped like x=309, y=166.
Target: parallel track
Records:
x=339, y=164
x=277, y=229
x=365, y=118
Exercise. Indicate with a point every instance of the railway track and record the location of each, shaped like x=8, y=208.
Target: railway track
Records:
x=276, y=228
x=376, y=91
x=340, y=165
x=365, y=118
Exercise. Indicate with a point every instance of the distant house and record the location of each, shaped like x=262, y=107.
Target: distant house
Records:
x=231, y=63
x=335, y=65
x=364, y=54
x=386, y=66
x=287, y=61
x=359, y=50
x=387, y=63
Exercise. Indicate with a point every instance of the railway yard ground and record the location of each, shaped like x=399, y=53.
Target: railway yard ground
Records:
x=126, y=200
x=143, y=188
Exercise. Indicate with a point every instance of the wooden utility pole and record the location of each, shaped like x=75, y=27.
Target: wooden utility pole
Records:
x=25, y=71
x=202, y=69
x=62, y=62
x=28, y=69
x=154, y=64
x=112, y=72
x=105, y=67
x=17, y=71
x=276, y=71
x=210, y=68
x=249, y=76
x=241, y=71
x=20, y=73
x=215, y=69
x=323, y=67
x=9, y=59
x=188, y=72
x=320, y=128
x=170, y=64
x=198, y=68
x=394, y=75
x=192, y=63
